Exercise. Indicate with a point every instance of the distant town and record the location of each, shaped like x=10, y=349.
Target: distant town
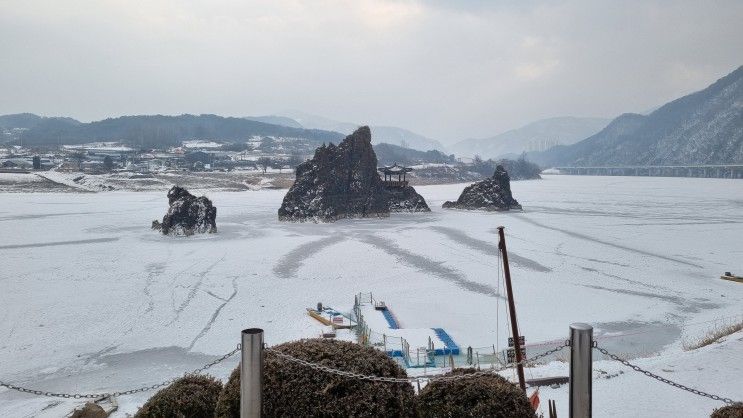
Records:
x=257, y=154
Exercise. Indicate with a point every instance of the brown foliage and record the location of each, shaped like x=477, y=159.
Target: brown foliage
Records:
x=89, y=410
x=731, y=411
x=193, y=396
x=483, y=396
x=290, y=389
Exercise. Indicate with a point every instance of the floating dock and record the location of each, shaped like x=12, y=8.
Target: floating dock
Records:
x=330, y=317
x=732, y=278
x=416, y=347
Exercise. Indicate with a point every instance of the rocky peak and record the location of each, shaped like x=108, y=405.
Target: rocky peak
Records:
x=493, y=193
x=338, y=182
x=343, y=182
x=187, y=214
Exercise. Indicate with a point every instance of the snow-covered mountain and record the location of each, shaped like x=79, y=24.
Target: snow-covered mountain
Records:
x=276, y=120
x=705, y=127
x=536, y=136
x=380, y=134
x=155, y=130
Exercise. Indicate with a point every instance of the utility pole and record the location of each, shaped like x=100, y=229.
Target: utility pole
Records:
x=512, y=309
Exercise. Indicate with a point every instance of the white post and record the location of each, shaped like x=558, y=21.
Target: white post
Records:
x=581, y=369
x=251, y=373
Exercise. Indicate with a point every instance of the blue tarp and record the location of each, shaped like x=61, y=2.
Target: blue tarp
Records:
x=390, y=319
x=450, y=347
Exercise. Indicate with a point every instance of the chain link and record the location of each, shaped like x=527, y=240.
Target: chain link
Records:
x=359, y=376
x=119, y=393
x=430, y=378
x=287, y=357
x=662, y=379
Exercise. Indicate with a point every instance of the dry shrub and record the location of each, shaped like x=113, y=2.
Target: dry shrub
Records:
x=713, y=335
x=193, y=396
x=89, y=410
x=483, y=396
x=293, y=390
x=731, y=411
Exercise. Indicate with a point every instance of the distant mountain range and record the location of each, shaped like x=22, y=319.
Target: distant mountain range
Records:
x=705, y=127
x=279, y=120
x=380, y=134
x=153, y=131
x=29, y=120
x=388, y=154
x=536, y=136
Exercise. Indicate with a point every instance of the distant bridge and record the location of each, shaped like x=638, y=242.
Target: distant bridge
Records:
x=729, y=171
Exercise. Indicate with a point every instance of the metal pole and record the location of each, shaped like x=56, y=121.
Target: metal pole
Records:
x=512, y=309
x=581, y=369
x=251, y=373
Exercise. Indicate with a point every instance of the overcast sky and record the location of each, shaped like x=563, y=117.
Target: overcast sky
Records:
x=446, y=69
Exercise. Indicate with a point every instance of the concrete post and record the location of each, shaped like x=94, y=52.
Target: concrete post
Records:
x=581, y=369
x=251, y=373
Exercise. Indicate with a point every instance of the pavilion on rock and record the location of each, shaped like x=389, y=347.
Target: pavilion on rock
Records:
x=395, y=175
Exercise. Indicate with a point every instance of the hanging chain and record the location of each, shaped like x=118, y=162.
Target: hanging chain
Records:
x=119, y=393
x=430, y=378
x=359, y=376
x=662, y=379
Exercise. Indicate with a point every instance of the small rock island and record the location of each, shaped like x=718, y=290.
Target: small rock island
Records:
x=491, y=194
x=187, y=214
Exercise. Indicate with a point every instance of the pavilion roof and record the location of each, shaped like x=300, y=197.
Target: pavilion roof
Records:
x=395, y=169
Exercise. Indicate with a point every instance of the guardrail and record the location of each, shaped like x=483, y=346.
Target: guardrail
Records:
x=253, y=351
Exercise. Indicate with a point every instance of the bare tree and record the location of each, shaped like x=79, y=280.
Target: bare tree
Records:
x=264, y=163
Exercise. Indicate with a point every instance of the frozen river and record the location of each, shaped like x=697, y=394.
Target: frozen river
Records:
x=92, y=300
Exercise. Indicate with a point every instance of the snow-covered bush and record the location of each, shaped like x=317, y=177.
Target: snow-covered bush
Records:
x=188, y=397
x=482, y=396
x=290, y=389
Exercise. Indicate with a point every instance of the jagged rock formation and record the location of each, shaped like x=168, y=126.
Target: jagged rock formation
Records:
x=342, y=182
x=338, y=182
x=406, y=199
x=493, y=193
x=187, y=214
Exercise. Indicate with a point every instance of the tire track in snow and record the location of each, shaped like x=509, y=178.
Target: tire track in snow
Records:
x=153, y=270
x=194, y=288
x=437, y=268
x=288, y=265
x=44, y=215
x=209, y=324
x=610, y=244
x=489, y=249
x=58, y=243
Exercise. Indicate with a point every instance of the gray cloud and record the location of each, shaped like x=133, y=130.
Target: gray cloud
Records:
x=448, y=70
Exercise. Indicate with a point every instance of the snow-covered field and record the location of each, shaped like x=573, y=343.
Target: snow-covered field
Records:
x=93, y=300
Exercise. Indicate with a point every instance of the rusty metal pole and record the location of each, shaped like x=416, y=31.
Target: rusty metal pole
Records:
x=512, y=309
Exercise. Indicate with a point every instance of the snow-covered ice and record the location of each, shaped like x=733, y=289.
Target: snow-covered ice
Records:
x=93, y=300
